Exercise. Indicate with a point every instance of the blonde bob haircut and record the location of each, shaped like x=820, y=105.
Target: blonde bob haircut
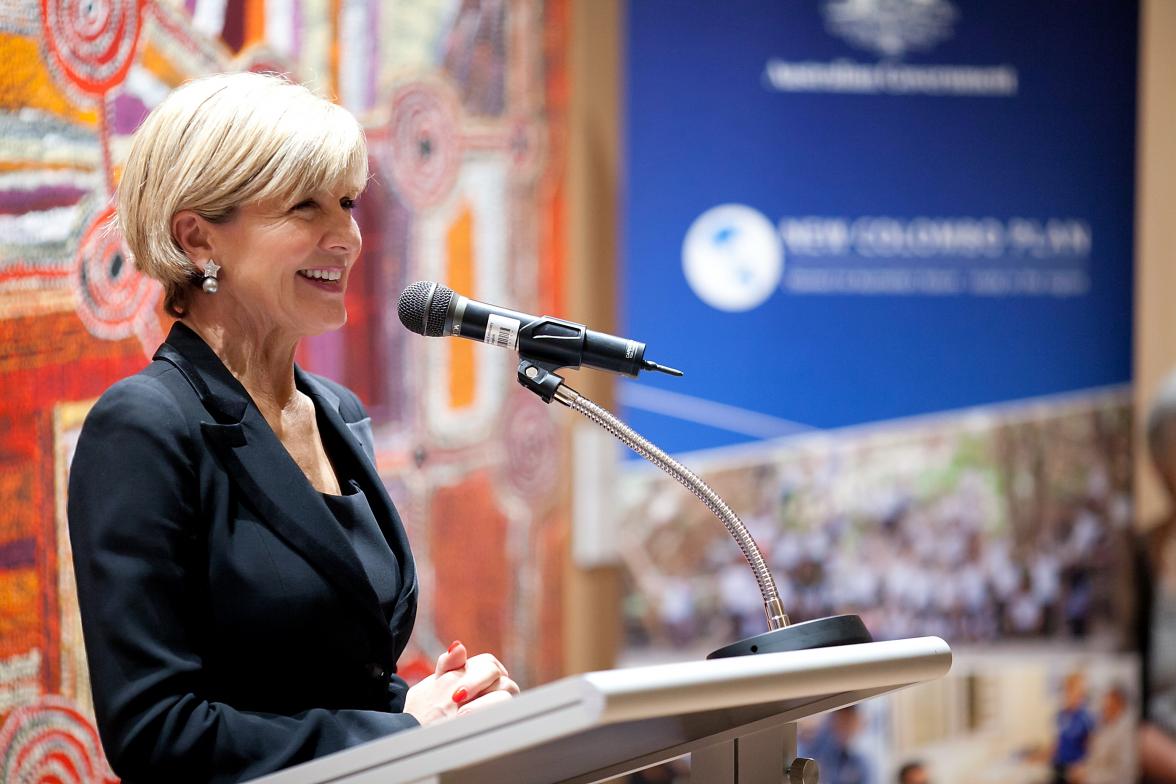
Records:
x=223, y=141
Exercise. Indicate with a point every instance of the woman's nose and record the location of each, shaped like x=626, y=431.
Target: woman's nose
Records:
x=343, y=235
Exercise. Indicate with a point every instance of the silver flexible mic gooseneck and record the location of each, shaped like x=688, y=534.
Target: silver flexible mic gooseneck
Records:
x=773, y=607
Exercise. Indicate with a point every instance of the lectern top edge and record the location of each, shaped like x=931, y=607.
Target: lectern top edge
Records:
x=919, y=649
x=685, y=687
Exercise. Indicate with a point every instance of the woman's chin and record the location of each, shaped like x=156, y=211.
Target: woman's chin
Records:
x=325, y=324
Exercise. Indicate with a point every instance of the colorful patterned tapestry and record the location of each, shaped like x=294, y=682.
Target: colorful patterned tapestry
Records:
x=462, y=101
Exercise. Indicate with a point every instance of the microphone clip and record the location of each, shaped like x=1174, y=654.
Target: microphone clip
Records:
x=540, y=378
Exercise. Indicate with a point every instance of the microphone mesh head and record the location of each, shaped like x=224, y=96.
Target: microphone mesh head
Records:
x=423, y=306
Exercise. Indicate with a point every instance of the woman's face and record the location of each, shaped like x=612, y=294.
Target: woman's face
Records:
x=285, y=267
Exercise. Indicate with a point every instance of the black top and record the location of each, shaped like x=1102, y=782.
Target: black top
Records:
x=354, y=514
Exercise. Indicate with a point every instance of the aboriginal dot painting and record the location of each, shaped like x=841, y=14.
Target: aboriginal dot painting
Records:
x=462, y=102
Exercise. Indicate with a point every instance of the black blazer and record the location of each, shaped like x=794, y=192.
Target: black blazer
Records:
x=229, y=625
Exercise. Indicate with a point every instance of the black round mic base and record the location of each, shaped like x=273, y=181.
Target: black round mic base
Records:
x=806, y=635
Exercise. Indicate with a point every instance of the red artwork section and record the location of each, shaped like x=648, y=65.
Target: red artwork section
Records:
x=469, y=589
x=50, y=741
x=92, y=43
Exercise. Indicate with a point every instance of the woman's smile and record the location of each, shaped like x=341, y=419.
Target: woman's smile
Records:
x=325, y=278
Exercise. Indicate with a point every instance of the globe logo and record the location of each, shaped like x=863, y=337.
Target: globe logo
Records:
x=732, y=258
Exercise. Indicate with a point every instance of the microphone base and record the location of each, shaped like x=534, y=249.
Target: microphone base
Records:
x=806, y=635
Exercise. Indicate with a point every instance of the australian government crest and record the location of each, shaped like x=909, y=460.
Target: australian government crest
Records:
x=889, y=30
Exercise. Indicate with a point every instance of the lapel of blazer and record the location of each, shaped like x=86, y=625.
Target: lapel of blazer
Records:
x=268, y=477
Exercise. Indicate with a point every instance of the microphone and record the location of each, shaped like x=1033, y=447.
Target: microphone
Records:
x=433, y=310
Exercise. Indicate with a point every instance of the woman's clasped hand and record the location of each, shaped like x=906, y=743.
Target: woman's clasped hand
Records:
x=459, y=685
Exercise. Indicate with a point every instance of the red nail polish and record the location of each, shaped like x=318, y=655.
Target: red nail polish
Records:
x=460, y=695
x=453, y=645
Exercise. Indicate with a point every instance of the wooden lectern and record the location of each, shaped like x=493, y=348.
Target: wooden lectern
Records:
x=735, y=717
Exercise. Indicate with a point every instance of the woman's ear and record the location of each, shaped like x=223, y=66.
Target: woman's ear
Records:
x=191, y=233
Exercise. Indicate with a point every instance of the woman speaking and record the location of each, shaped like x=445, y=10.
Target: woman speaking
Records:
x=245, y=582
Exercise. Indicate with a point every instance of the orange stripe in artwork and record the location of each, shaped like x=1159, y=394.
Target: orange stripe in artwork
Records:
x=25, y=83
x=21, y=611
x=155, y=61
x=336, y=28
x=10, y=166
x=552, y=278
x=254, y=22
x=459, y=250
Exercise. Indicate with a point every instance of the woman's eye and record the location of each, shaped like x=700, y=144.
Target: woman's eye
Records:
x=348, y=203
x=305, y=204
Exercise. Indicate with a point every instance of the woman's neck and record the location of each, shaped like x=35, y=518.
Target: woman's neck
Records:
x=262, y=360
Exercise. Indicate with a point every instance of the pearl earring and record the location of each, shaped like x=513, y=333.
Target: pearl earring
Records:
x=210, y=269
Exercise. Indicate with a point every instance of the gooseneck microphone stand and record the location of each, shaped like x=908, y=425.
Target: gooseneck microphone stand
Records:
x=547, y=344
x=540, y=378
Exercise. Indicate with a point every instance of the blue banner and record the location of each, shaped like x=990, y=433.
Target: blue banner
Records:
x=848, y=211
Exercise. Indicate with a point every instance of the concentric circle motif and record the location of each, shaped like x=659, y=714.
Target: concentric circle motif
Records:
x=50, y=741
x=93, y=41
x=426, y=143
x=532, y=447
x=115, y=301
